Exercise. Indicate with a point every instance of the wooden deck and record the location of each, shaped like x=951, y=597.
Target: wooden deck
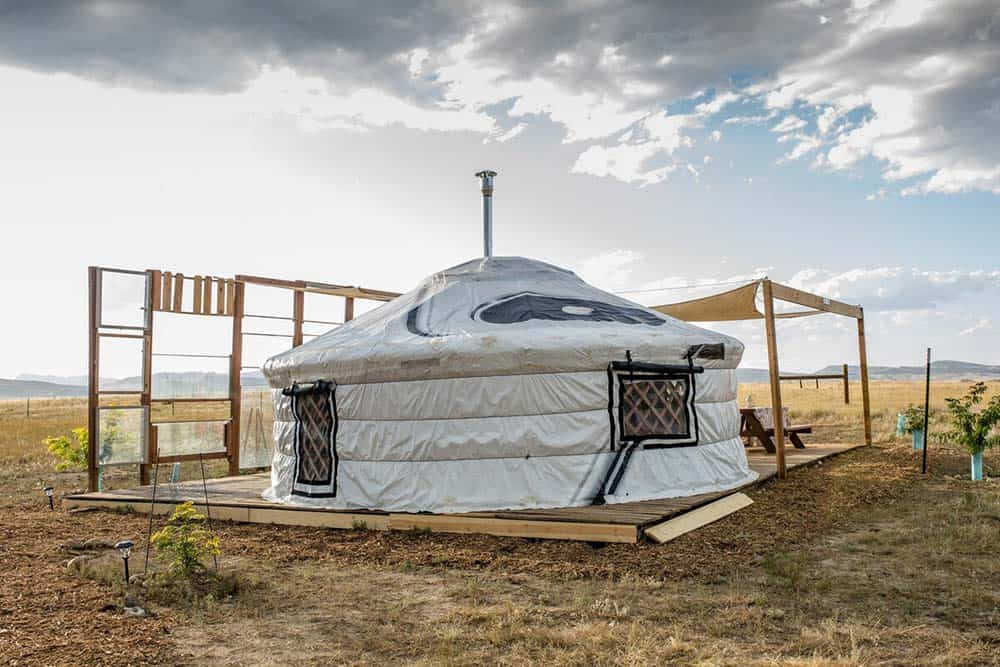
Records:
x=238, y=499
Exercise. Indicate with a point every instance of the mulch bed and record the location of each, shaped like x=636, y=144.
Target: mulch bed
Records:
x=51, y=616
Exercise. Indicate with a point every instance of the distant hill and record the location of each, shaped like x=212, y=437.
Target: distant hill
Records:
x=940, y=370
x=193, y=383
x=189, y=383
x=34, y=389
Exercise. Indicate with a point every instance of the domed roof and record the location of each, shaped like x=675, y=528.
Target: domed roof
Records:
x=495, y=316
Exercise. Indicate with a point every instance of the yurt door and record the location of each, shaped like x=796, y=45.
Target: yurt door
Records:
x=314, y=406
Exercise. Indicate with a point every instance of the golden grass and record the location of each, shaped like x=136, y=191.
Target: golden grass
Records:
x=908, y=577
x=894, y=589
x=824, y=407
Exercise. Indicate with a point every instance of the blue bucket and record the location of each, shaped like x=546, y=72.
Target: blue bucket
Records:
x=918, y=439
x=977, y=467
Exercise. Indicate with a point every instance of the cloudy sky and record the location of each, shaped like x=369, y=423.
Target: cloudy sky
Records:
x=845, y=147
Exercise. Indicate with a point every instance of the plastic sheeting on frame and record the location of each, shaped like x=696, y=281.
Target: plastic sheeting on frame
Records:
x=121, y=435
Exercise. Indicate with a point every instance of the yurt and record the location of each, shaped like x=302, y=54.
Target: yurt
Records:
x=505, y=383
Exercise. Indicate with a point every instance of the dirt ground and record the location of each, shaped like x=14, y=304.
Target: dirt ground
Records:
x=859, y=560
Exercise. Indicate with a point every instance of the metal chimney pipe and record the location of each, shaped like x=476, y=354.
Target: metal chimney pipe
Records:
x=487, y=178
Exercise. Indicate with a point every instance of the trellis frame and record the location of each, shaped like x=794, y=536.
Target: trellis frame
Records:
x=211, y=296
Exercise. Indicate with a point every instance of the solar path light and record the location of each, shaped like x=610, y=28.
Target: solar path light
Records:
x=125, y=549
x=49, y=492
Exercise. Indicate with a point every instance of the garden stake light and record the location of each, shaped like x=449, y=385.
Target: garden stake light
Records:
x=125, y=549
x=49, y=491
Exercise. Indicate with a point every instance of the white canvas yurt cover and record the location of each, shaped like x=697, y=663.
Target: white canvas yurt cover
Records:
x=505, y=383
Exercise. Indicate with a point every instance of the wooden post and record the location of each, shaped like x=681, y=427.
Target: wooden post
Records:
x=146, y=398
x=235, y=386
x=298, y=314
x=348, y=308
x=772, y=362
x=847, y=388
x=167, y=298
x=863, y=358
x=198, y=293
x=178, y=292
x=93, y=367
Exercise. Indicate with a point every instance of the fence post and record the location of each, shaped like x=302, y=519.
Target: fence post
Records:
x=847, y=388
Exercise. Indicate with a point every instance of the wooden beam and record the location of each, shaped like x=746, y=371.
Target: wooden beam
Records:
x=93, y=371
x=198, y=295
x=541, y=529
x=230, y=297
x=166, y=301
x=145, y=399
x=235, y=384
x=863, y=363
x=156, y=287
x=320, y=288
x=298, y=314
x=220, y=297
x=206, y=297
x=813, y=376
x=773, y=369
x=178, y=292
x=792, y=295
x=348, y=308
x=182, y=458
x=696, y=518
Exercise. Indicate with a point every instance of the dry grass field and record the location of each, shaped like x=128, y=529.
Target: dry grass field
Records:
x=859, y=561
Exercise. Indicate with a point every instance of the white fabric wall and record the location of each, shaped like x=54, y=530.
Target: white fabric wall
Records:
x=426, y=445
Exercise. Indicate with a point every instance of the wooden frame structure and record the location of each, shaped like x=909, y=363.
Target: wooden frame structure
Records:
x=739, y=304
x=239, y=499
x=842, y=376
x=210, y=296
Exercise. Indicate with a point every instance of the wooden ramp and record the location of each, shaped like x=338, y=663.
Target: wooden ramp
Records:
x=238, y=499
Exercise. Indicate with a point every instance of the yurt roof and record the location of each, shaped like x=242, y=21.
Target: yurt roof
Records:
x=494, y=316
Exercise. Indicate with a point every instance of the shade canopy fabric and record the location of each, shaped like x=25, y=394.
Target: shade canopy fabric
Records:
x=729, y=306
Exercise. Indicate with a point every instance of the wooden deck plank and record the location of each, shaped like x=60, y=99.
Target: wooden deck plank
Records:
x=239, y=499
x=702, y=516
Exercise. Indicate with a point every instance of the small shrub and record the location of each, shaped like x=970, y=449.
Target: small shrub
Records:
x=970, y=429
x=184, y=542
x=913, y=418
x=70, y=452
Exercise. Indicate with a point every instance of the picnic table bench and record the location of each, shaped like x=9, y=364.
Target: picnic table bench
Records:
x=759, y=423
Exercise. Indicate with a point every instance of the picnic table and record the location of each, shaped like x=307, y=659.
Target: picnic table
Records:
x=759, y=423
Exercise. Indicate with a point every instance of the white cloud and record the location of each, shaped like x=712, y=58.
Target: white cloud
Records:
x=789, y=123
x=656, y=137
x=610, y=270
x=897, y=288
x=508, y=135
x=717, y=104
x=878, y=195
x=716, y=136
x=922, y=72
x=916, y=78
x=316, y=106
x=982, y=324
x=805, y=146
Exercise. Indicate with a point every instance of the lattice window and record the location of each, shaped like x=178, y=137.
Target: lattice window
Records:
x=315, y=449
x=655, y=408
